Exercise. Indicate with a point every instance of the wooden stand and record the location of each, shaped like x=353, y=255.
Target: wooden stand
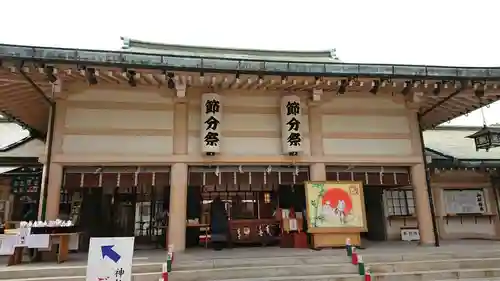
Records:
x=60, y=251
x=333, y=240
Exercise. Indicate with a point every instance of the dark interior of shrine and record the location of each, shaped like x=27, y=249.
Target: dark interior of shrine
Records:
x=251, y=196
x=123, y=201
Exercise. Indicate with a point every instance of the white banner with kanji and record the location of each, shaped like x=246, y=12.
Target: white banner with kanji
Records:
x=291, y=134
x=211, y=116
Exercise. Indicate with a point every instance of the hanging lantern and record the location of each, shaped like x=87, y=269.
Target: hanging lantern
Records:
x=486, y=138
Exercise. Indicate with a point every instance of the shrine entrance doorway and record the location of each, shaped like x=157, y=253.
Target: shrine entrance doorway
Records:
x=252, y=195
x=118, y=201
x=25, y=186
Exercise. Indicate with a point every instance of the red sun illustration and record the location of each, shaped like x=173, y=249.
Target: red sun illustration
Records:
x=334, y=195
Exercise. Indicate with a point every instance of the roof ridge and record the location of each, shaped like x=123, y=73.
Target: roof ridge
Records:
x=131, y=43
x=456, y=128
x=439, y=153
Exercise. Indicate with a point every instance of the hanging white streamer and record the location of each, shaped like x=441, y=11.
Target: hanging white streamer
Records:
x=118, y=179
x=82, y=177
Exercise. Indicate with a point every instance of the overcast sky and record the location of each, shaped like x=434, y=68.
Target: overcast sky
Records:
x=406, y=32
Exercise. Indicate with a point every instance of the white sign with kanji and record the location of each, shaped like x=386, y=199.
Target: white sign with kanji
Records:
x=110, y=259
x=291, y=128
x=211, y=117
x=410, y=234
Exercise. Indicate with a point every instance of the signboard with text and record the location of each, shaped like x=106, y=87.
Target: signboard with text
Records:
x=291, y=128
x=211, y=116
x=110, y=259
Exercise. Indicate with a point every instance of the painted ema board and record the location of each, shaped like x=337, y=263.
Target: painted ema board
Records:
x=110, y=259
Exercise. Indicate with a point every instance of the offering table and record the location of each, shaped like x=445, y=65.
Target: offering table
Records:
x=52, y=246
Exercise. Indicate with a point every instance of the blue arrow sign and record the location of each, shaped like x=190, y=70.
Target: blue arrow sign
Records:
x=107, y=251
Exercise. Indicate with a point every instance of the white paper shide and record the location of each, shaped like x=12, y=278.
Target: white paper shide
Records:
x=291, y=134
x=211, y=116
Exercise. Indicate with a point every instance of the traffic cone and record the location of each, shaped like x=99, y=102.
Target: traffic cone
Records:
x=354, y=256
x=361, y=266
x=368, y=275
x=348, y=247
x=164, y=272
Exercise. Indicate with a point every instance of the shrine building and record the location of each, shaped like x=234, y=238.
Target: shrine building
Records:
x=154, y=127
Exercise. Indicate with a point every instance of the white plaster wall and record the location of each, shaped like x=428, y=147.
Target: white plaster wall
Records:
x=123, y=145
x=469, y=227
x=472, y=227
x=389, y=147
x=379, y=116
x=80, y=118
x=241, y=122
x=366, y=124
x=394, y=225
x=91, y=113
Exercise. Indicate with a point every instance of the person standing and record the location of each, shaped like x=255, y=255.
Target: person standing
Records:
x=219, y=224
x=162, y=224
x=29, y=214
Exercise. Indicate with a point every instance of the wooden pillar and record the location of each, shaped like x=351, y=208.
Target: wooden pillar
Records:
x=178, y=205
x=179, y=175
x=53, y=191
x=180, y=136
x=419, y=182
x=54, y=172
x=423, y=209
x=317, y=171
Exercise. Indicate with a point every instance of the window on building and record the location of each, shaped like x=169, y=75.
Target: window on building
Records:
x=399, y=202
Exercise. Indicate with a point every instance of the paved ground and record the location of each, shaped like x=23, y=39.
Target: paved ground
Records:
x=380, y=248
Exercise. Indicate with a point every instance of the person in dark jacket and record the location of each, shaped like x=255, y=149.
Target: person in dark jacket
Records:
x=29, y=213
x=219, y=224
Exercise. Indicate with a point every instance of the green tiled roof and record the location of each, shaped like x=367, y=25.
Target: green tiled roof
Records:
x=452, y=141
x=436, y=155
x=140, y=46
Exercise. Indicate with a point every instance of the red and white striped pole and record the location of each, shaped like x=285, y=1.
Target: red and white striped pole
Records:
x=171, y=252
x=368, y=275
x=361, y=266
x=348, y=246
x=164, y=272
x=354, y=256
